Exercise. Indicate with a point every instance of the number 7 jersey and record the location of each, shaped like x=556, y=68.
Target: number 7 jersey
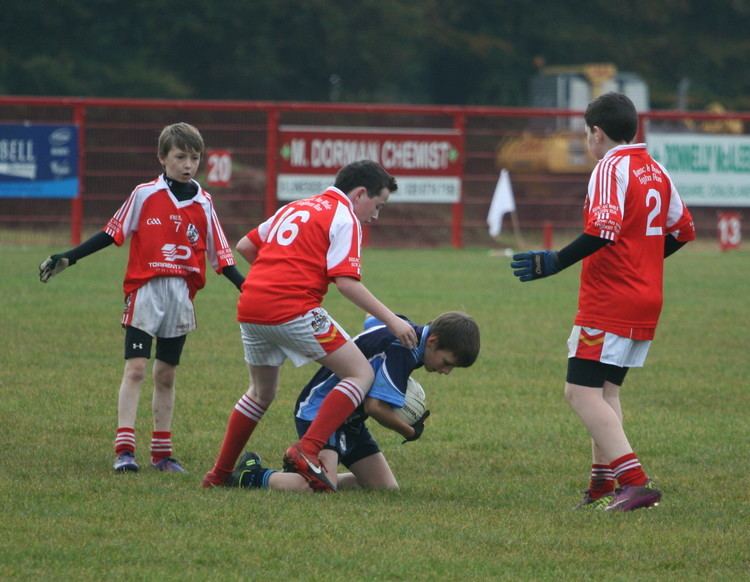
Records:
x=633, y=203
x=301, y=249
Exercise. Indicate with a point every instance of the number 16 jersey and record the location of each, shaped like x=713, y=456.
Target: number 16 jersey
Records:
x=301, y=249
x=633, y=203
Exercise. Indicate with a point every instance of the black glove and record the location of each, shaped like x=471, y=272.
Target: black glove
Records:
x=52, y=266
x=418, y=428
x=535, y=265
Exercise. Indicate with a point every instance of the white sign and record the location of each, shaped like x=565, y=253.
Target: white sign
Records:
x=708, y=170
x=441, y=190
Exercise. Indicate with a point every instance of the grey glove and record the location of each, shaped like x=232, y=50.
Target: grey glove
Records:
x=52, y=266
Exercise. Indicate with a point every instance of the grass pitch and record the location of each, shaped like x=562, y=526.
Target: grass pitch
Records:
x=485, y=494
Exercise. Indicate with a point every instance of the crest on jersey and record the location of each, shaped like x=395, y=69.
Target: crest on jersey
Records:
x=192, y=234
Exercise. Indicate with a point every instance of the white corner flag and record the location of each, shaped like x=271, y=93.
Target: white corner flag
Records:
x=502, y=203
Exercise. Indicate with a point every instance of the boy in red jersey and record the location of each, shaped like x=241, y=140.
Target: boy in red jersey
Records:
x=173, y=226
x=633, y=219
x=294, y=255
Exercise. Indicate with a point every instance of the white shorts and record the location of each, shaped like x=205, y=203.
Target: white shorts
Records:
x=588, y=343
x=161, y=307
x=308, y=337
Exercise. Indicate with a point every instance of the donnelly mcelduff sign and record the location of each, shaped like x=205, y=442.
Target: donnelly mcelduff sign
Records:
x=427, y=163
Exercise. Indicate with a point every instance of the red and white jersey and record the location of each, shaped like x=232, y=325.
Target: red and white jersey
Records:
x=301, y=249
x=170, y=238
x=633, y=203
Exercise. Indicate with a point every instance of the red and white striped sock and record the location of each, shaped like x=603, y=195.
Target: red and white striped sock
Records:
x=602, y=481
x=628, y=470
x=161, y=445
x=242, y=422
x=334, y=410
x=124, y=440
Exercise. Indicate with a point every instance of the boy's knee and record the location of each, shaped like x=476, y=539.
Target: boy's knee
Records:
x=135, y=370
x=572, y=395
x=368, y=377
x=164, y=375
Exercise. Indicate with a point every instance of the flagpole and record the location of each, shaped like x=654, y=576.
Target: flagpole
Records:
x=520, y=243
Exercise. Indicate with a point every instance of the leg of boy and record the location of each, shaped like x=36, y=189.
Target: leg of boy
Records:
x=611, y=394
x=356, y=376
x=602, y=477
x=372, y=472
x=600, y=419
x=247, y=413
x=130, y=391
x=162, y=406
x=250, y=474
x=127, y=407
x=162, y=403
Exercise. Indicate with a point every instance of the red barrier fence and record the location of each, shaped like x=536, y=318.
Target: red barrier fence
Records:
x=542, y=148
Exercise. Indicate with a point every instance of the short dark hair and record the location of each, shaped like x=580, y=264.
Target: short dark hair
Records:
x=181, y=135
x=615, y=114
x=365, y=173
x=458, y=333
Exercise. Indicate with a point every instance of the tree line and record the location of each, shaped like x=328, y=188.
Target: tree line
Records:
x=395, y=51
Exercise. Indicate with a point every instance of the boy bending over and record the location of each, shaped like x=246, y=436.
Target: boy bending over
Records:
x=450, y=341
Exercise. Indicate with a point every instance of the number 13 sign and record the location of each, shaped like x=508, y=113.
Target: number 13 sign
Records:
x=219, y=164
x=730, y=233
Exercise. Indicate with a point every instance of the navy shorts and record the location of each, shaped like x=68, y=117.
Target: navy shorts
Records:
x=352, y=441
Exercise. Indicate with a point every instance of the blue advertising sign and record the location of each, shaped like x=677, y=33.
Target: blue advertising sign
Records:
x=38, y=161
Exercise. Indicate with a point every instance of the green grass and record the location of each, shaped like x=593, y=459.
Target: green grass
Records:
x=485, y=494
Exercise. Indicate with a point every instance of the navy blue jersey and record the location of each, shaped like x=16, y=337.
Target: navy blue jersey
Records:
x=392, y=363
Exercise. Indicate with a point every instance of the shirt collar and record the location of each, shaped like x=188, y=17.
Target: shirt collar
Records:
x=336, y=193
x=620, y=149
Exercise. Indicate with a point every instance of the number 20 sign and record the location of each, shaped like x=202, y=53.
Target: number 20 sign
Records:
x=219, y=163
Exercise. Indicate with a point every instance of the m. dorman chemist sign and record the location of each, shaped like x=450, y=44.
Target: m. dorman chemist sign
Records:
x=426, y=162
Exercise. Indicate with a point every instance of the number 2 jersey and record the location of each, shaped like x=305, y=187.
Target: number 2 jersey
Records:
x=633, y=203
x=170, y=238
x=301, y=249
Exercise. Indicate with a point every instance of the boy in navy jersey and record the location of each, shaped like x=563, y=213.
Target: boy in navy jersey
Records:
x=449, y=341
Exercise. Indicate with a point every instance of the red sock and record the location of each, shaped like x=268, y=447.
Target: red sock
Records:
x=161, y=445
x=628, y=471
x=602, y=481
x=242, y=422
x=124, y=440
x=334, y=410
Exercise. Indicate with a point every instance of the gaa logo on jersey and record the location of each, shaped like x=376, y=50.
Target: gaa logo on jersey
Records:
x=192, y=234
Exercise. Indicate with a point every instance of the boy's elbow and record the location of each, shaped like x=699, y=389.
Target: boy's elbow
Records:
x=246, y=248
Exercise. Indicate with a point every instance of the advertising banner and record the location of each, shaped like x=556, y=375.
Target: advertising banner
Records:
x=38, y=161
x=426, y=162
x=708, y=170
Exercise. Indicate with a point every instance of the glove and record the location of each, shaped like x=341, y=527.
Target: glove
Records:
x=53, y=265
x=535, y=265
x=418, y=428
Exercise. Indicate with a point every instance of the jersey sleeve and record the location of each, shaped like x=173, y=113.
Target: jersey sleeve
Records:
x=679, y=220
x=605, y=201
x=391, y=377
x=345, y=237
x=218, y=250
x=125, y=220
x=259, y=235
